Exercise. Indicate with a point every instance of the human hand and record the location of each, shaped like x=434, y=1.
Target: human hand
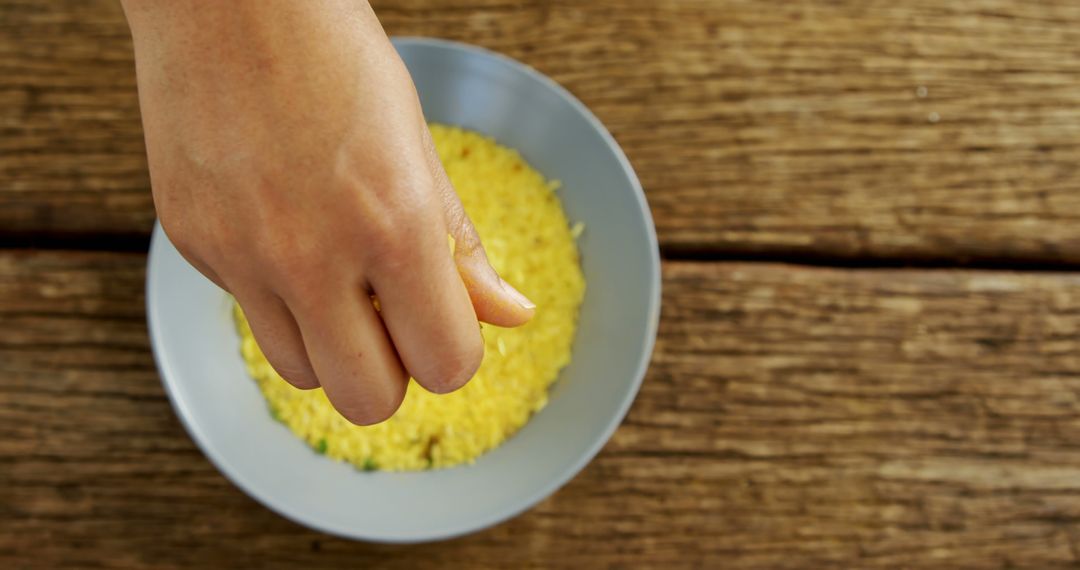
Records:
x=291, y=165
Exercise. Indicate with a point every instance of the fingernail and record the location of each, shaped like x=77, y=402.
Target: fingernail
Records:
x=521, y=299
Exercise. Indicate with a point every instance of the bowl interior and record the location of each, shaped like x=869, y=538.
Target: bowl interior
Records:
x=197, y=350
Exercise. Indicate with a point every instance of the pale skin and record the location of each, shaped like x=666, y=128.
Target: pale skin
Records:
x=291, y=165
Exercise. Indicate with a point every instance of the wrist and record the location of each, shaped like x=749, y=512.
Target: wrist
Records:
x=156, y=20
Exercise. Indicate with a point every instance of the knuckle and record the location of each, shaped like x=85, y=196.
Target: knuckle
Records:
x=408, y=217
x=402, y=242
x=389, y=199
x=287, y=265
x=467, y=241
x=295, y=271
x=397, y=262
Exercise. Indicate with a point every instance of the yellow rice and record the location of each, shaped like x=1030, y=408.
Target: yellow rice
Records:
x=530, y=243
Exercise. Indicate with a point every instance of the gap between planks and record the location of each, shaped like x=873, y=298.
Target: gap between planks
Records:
x=140, y=243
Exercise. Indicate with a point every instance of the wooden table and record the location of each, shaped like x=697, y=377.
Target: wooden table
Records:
x=870, y=347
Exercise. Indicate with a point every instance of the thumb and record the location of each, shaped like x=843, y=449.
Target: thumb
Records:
x=494, y=300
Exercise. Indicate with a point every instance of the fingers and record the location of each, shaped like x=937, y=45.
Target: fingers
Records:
x=278, y=336
x=429, y=315
x=351, y=352
x=494, y=300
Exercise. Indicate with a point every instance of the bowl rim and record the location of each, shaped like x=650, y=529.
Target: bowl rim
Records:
x=223, y=464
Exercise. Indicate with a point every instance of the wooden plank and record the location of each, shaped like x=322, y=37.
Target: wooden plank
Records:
x=72, y=158
x=792, y=418
x=917, y=129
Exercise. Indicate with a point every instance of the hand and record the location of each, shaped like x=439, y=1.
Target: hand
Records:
x=292, y=166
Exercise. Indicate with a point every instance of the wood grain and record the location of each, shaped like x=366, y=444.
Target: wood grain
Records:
x=918, y=129
x=72, y=159
x=792, y=418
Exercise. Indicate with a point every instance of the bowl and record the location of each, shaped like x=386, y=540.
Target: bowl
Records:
x=197, y=350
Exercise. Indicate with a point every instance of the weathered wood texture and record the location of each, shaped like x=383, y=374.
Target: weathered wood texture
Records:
x=72, y=158
x=792, y=418
x=928, y=129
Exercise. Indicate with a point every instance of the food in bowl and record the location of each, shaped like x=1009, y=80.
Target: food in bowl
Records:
x=195, y=342
x=530, y=243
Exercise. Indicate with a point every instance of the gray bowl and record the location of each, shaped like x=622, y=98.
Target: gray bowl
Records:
x=197, y=349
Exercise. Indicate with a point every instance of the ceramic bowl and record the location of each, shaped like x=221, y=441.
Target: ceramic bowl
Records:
x=196, y=347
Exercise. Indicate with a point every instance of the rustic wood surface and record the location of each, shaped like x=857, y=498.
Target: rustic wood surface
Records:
x=917, y=129
x=792, y=417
